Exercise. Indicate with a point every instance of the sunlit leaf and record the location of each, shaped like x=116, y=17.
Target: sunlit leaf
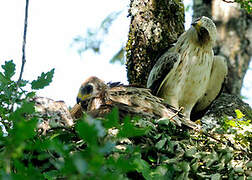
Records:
x=239, y=114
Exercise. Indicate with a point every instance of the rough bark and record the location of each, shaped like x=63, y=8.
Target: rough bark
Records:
x=234, y=42
x=224, y=106
x=155, y=25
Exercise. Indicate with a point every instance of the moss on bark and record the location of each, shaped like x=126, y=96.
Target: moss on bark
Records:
x=155, y=25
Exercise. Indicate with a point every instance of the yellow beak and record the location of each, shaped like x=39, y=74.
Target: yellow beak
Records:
x=197, y=25
x=83, y=97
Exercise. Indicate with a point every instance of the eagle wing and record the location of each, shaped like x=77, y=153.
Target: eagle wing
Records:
x=218, y=74
x=160, y=70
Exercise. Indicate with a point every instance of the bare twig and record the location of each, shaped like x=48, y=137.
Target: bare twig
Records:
x=179, y=111
x=24, y=41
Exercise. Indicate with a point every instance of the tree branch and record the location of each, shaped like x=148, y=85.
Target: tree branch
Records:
x=24, y=41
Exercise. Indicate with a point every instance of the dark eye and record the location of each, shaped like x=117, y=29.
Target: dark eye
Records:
x=203, y=30
x=87, y=89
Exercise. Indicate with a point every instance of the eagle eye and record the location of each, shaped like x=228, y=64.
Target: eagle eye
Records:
x=203, y=31
x=88, y=89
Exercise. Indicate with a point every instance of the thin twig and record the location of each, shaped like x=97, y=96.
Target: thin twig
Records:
x=179, y=111
x=24, y=41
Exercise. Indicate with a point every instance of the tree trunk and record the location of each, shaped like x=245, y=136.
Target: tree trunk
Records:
x=234, y=27
x=155, y=24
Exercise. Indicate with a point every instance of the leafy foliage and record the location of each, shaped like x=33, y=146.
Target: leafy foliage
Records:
x=246, y=4
x=113, y=148
x=17, y=121
x=240, y=127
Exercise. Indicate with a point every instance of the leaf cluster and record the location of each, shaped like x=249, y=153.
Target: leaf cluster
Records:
x=245, y=4
x=240, y=128
x=112, y=148
x=17, y=118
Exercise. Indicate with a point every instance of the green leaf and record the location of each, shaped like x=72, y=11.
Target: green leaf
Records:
x=25, y=109
x=142, y=166
x=3, y=80
x=23, y=83
x=50, y=175
x=160, y=144
x=239, y=114
x=249, y=164
x=87, y=132
x=129, y=130
x=163, y=121
x=42, y=81
x=195, y=166
x=191, y=152
x=230, y=123
x=9, y=69
x=80, y=163
x=185, y=166
x=125, y=164
x=216, y=176
x=211, y=158
x=112, y=119
x=30, y=94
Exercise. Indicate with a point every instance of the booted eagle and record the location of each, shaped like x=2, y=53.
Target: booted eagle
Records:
x=189, y=74
x=98, y=99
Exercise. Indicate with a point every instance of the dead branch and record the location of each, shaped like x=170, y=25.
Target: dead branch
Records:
x=24, y=41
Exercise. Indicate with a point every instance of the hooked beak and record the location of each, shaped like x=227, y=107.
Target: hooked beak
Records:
x=196, y=24
x=196, y=21
x=80, y=98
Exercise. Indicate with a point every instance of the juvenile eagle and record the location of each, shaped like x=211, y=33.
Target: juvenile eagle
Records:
x=97, y=99
x=189, y=73
x=51, y=114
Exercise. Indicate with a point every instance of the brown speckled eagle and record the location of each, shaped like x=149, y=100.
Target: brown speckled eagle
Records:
x=98, y=99
x=189, y=74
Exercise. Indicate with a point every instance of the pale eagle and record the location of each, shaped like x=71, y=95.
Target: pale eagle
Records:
x=189, y=74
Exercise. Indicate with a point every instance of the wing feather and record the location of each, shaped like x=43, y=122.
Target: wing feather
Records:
x=161, y=69
x=218, y=74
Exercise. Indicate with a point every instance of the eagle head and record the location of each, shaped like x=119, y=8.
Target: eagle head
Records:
x=89, y=89
x=206, y=30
